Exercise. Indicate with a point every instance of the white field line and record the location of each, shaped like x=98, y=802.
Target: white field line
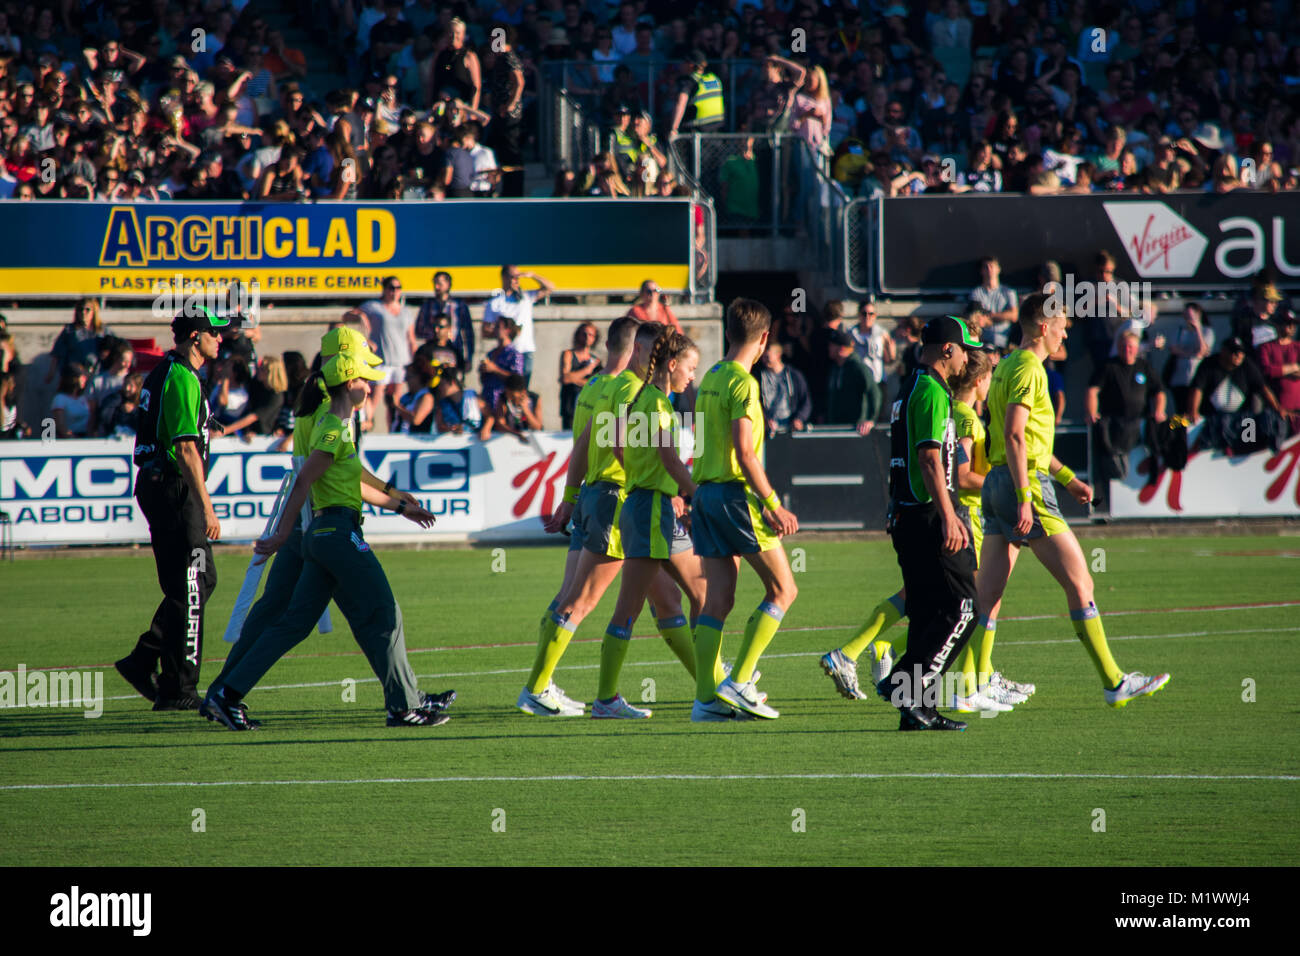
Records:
x=642, y=778
x=673, y=662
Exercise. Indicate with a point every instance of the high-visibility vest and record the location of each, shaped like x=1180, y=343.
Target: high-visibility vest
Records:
x=625, y=143
x=707, y=99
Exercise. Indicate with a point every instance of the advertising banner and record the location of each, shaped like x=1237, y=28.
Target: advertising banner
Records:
x=73, y=248
x=82, y=492
x=1213, y=485
x=931, y=244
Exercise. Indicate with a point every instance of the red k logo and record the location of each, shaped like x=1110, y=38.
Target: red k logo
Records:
x=540, y=477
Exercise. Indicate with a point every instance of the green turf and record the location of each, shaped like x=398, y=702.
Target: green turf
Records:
x=86, y=611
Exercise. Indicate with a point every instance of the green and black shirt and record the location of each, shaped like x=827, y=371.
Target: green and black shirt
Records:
x=921, y=417
x=172, y=406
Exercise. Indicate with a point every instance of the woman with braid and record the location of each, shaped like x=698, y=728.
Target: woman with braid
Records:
x=658, y=488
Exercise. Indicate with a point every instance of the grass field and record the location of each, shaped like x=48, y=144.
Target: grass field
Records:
x=1193, y=775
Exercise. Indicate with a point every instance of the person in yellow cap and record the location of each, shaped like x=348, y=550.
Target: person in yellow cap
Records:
x=336, y=562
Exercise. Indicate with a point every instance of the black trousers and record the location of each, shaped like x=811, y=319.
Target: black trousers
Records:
x=187, y=575
x=941, y=611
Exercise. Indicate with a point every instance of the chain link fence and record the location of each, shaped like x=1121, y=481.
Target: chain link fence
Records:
x=859, y=243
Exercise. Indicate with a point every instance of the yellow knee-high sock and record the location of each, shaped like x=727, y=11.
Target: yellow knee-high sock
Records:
x=613, y=651
x=708, y=658
x=983, y=637
x=555, y=635
x=759, y=631
x=966, y=684
x=679, y=639
x=543, y=638
x=882, y=617
x=1087, y=624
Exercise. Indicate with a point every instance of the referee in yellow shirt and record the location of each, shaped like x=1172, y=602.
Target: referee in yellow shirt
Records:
x=1020, y=506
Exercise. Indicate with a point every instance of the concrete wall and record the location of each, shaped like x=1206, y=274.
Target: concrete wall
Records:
x=300, y=328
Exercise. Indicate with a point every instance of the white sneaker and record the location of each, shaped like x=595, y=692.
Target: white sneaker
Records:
x=1002, y=694
x=745, y=697
x=977, y=702
x=564, y=698
x=880, y=666
x=716, y=711
x=844, y=672
x=1019, y=688
x=618, y=707
x=726, y=669
x=545, y=704
x=1135, y=685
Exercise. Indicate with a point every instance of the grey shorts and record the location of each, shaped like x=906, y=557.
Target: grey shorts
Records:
x=600, y=504
x=1001, y=510
x=649, y=528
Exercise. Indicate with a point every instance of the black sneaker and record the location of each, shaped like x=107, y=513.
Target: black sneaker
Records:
x=417, y=718
x=914, y=718
x=234, y=716
x=436, y=702
x=184, y=702
x=926, y=718
x=144, y=680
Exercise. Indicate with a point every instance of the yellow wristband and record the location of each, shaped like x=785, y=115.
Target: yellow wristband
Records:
x=772, y=502
x=1064, y=476
x=1022, y=494
x=571, y=494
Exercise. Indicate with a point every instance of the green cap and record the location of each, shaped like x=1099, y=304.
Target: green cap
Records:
x=949, y=328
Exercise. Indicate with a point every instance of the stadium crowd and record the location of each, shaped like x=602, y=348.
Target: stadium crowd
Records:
x=129, y=101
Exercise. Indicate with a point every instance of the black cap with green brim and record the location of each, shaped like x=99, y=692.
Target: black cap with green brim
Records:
x=949, y=328
x=199, y=318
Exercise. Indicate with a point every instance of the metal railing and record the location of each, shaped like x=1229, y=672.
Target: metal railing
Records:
x=794, y=194
x=653, y=86
x=859, y=242
x=568, y=138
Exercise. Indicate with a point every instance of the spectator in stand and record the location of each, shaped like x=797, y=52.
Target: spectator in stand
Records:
x=852, y=397
x=443, y=306
x=389, y=323
x=1227, y=389
x=981, y=175
x=577, y=365
x=993, y=297
x=873, y=344
x=69, y=409
x=457, y=408
x=783, y=391
x=1192, y=343
x=811, y=112
x=499, y=364
x=517, y=411
x=455, y=66
x=266, y=395
x=1280, y=362
x=1103, y=327
x=771, y=103
x=819, y=354
x=112, y=375
x=651, y=306
x=229, y=392
x=1121, y=395
x=413, y=413
x=505, y=133
x=513, y=303
x=738, y=189
x=11, y=427
x=1252, y=319
x=79, y=341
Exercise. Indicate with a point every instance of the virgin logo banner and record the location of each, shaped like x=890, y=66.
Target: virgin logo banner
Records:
x=1192, y=241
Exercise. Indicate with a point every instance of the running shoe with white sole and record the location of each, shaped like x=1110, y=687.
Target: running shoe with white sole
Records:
x=880, y=665
x=564, y=698
x=1002, y=694
x=977, y=702
x=1135, y=685
x=618, y=707
x=545, y=704
x=417, y=717
x=1019, y=688
x=726, y=669
x=844, y=672
x=746, y=697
